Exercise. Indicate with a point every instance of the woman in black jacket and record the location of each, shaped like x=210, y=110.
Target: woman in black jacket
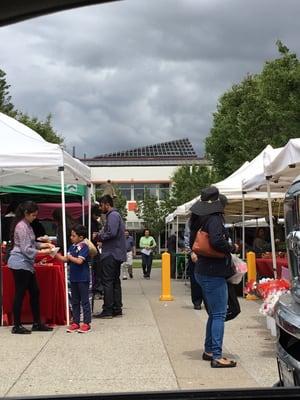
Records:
x=211, y=272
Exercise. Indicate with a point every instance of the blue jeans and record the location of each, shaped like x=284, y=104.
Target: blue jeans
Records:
x=147, y=264
x=214, y=290
x=80, y=296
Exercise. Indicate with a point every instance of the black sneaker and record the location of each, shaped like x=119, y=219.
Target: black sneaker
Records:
x=41, y=328
x=197, y=306
x=103, y=315
x=20, y=330
x=131, y=276
x=117, y=314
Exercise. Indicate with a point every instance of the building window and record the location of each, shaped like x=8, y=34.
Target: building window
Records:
x=125, y=189
x=139, y=191
x=151, y=189
x=164, y=189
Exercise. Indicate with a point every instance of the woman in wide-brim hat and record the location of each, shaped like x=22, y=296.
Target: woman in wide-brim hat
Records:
x=211, y=272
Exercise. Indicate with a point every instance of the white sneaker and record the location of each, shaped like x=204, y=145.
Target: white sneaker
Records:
x=124, y=278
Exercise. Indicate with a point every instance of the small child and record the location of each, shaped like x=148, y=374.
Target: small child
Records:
x=77, y=257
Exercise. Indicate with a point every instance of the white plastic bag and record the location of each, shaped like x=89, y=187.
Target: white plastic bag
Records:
x=240, y=268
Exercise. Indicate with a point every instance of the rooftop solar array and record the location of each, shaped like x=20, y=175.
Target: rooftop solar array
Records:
x=175, y=148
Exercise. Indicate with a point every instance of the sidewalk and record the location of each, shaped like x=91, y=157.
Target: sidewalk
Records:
x=154, y=346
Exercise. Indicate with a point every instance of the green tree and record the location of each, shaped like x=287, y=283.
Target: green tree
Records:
x=43, y=128
x=120, y=203
x=152, y=213
x=262, y=109
x=187, y=183
x=6, y=105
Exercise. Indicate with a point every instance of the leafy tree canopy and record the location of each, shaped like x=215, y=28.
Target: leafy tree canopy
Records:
x=188, y=181
x=153, y=213
x=43, y=128
x=6, y=106
x=262, y=109
x=120, y=203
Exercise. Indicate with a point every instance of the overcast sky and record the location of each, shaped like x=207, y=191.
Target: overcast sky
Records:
x=138, y=72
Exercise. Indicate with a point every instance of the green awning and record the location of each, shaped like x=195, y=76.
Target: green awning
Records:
x=73, y=189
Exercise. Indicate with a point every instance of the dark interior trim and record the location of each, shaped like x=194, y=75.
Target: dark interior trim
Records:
x=12, y=11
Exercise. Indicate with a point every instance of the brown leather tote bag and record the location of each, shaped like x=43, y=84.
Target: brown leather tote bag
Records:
x=202, y=246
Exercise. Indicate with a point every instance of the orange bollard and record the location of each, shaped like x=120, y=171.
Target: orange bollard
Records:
x=166, y=278
x=251, y=274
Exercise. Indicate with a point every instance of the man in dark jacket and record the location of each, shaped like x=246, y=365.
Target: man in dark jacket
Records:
x=112, y=237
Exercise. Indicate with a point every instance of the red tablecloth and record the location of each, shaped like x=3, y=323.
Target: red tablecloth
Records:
x=51, y=281
x=264, y=266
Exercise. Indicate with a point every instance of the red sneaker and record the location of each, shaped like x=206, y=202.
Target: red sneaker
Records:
x=84, y=328
x=73, y=328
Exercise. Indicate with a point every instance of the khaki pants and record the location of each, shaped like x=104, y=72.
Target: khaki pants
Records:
x=127, y=266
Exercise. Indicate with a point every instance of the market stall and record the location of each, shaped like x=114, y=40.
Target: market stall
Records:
x=27, y=159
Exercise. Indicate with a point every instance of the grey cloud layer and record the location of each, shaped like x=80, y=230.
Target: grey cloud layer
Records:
x=138, y=72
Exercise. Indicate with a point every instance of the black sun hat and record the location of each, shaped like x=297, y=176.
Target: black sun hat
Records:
x=210, y=202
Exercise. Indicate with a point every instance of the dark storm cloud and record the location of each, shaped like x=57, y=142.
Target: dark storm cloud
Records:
x=126, y=74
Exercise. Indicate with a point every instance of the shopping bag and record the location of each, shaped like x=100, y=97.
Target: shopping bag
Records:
x=92, y=248
x=239, y=267
x=233, y=305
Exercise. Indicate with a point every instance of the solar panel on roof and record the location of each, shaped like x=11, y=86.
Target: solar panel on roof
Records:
x=175, y=148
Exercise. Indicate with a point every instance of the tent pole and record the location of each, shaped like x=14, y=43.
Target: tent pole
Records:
x=90, y=211
x=271, y=230
x=176, y=245
x=243, y=225
x=93, y=194
x=1, y=291
x=159, y=240
x=166, y=236
x=63, y=204
x=82, y=205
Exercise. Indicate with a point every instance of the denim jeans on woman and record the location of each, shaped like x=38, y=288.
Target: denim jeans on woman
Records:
x=214, y=290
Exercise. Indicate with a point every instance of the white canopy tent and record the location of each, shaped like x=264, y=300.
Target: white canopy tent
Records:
x=248, y=204
x=26, y=158
x=278, y=174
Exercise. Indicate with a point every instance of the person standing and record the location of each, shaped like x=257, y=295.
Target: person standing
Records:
x=7, y=220
x=21, y=263
x=96, y=262
x=260, y=245
x=109, y=190
x=78, y=259
x=196, y=291
x=147, y=244
x=130, y=248
x=211, y=272
x=112, y=237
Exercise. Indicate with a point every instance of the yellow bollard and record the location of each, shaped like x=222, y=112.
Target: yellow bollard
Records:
x=166, y=278
x=251, y=274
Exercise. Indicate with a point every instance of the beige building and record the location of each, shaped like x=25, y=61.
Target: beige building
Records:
x=146, y=168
